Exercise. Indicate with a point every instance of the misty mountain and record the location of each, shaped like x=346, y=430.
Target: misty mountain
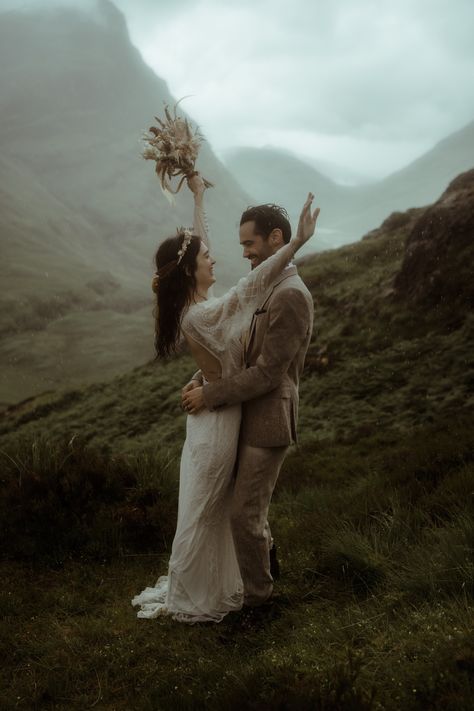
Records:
x=427, y=176
x=76, y=96
x=81, y=213
x=419, y=183
x=277, y=176
x=348, y=212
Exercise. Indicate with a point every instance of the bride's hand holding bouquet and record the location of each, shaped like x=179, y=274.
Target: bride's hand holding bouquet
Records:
x=174, y=147
x=197, y=184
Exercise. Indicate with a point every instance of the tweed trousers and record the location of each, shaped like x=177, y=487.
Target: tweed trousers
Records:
x=256, y=475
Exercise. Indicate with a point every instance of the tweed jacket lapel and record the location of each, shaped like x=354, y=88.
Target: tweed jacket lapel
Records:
x=289, y=271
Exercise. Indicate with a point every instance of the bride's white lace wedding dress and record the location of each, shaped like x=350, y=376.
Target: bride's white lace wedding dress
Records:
x=203, y=582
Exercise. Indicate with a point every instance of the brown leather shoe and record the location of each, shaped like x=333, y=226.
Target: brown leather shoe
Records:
x=258, y=616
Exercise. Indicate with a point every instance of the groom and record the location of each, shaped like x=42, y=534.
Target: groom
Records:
x=275, y=346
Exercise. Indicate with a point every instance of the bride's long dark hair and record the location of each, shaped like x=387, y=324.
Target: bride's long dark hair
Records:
x=173, y=285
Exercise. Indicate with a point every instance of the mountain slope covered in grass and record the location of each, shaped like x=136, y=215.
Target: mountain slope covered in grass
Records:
x=373, y=511
x=277, y=176
x=383, y=355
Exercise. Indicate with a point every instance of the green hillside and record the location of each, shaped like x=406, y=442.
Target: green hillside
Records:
x=370, y=366
x=373, y=512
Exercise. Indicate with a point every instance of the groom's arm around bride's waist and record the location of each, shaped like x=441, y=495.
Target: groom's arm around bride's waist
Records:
x=286, y=334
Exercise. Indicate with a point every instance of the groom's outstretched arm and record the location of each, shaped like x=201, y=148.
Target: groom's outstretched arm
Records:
x=289, y=324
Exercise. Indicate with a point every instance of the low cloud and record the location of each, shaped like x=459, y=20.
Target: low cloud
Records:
x=372, y=82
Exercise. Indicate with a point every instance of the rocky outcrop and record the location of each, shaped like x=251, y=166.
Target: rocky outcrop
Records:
x=437, y=266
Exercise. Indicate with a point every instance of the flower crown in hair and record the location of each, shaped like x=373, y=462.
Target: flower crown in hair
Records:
x=188, y=235
x=168, y=268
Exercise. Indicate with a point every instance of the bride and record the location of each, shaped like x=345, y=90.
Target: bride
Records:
x=203, y=582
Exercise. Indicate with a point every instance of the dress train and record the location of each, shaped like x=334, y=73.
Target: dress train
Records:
x=203, y=582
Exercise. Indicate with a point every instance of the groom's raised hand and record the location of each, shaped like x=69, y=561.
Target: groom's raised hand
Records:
x=307, y=221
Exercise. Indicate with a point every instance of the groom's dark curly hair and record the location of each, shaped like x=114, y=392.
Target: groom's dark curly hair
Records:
x=267, y=218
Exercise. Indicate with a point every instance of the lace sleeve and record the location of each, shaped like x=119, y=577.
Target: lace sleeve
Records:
x=200, y=223
x=252, y=287
x=219, y=319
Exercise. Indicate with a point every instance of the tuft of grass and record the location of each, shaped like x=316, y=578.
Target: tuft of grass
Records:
x=349, y=556
x=58, y=501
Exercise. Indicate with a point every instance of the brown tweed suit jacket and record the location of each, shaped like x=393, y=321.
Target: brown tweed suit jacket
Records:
x=274, y=352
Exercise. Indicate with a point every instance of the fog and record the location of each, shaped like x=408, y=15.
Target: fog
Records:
x=368, y=85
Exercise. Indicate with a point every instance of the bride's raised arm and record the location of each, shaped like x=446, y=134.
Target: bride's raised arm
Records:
x=200, y=226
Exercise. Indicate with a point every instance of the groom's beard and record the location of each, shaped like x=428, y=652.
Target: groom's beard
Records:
x=257, y=261
x=259, y=258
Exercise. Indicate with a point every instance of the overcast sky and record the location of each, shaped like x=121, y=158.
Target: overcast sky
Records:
x=367, y=84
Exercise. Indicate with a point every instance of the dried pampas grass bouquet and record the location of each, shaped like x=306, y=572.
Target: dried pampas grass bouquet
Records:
x=174, y=146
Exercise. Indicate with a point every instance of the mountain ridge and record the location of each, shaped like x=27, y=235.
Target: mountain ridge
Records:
x=349, y=212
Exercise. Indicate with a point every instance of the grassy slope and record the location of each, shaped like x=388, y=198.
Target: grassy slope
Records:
x=390, y=365
x=380, y=374
x=373, y=515
x=378, y=578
